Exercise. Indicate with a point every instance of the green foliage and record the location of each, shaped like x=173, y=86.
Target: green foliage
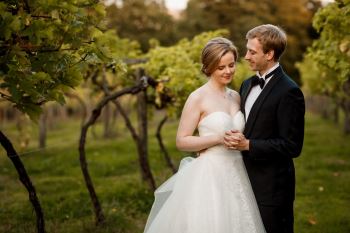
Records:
x=243, y=72
x=240, y=16
x=178, y=68
x=142, y=20
x=318, y=80
x=326, y=66
x=46, y=47
x=332, y=49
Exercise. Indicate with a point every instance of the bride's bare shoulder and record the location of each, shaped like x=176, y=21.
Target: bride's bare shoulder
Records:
x=197, y=94
x=194, y=101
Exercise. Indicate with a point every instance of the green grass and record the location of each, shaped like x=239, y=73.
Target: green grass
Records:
x=323, y=174
x=323, y=170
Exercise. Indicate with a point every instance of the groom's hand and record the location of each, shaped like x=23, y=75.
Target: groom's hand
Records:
x=235, y=140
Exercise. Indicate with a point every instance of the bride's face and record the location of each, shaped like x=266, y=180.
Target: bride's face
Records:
x=226, y=68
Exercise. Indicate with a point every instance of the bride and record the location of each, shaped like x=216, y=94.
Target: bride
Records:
x=211, y=193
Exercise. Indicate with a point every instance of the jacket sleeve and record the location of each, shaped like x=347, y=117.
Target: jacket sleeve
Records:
x=290, y=130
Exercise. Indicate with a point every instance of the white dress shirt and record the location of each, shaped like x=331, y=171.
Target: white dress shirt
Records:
x=255, y=91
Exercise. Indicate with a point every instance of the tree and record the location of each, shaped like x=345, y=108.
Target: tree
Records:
x=142, y=20
x=92, y=119
x=177, y=68
x=240, y=16
x=330, y=56
x=45, y=49
x=42, y=48
x=140, y=137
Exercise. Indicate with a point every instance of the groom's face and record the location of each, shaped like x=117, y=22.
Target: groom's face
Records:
x=258, y=60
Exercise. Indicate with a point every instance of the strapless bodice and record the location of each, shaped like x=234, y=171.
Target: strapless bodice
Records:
x=218, y=123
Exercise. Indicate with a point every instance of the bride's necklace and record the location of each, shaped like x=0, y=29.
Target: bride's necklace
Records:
x=218, y=92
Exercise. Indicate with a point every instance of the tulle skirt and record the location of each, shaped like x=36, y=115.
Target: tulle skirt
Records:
x=209, y=194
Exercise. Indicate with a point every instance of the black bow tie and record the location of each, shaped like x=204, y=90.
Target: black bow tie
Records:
x=258, y=81
x=261, y=81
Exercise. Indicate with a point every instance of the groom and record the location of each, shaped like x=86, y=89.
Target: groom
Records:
x=274, y=109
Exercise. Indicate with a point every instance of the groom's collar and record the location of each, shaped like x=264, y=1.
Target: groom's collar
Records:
x=268, y=71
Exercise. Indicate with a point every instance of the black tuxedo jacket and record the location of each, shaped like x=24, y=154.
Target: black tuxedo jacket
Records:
x=275, y=128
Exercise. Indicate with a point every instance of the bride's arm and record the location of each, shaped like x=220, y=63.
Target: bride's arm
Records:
x=191, y=113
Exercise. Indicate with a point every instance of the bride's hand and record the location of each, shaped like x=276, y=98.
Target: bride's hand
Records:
x=221, y=139
x=231, y=139
x=235, y=140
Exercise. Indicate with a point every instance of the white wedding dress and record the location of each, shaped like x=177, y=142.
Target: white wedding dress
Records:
x=209, y=194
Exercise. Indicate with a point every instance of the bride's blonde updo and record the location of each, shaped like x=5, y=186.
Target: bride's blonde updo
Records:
x=213, y=51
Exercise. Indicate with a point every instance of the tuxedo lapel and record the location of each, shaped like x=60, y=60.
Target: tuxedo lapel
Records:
x=247, y=86
x=254, y=112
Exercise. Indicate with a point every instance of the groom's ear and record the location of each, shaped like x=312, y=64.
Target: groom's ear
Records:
x=270, y=55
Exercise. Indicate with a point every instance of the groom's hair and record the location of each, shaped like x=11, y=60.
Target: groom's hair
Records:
x=271, y=37
x=213, y=51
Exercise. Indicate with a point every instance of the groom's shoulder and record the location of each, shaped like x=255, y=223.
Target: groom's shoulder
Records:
x=247, y=81
x=285, y=78
x=288, y=87
x=289, y=82
x=249, y=78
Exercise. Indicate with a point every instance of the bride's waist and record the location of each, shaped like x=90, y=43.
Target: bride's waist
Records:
x=221, y=150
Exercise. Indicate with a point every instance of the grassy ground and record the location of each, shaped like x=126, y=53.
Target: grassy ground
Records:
x=323, y=171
